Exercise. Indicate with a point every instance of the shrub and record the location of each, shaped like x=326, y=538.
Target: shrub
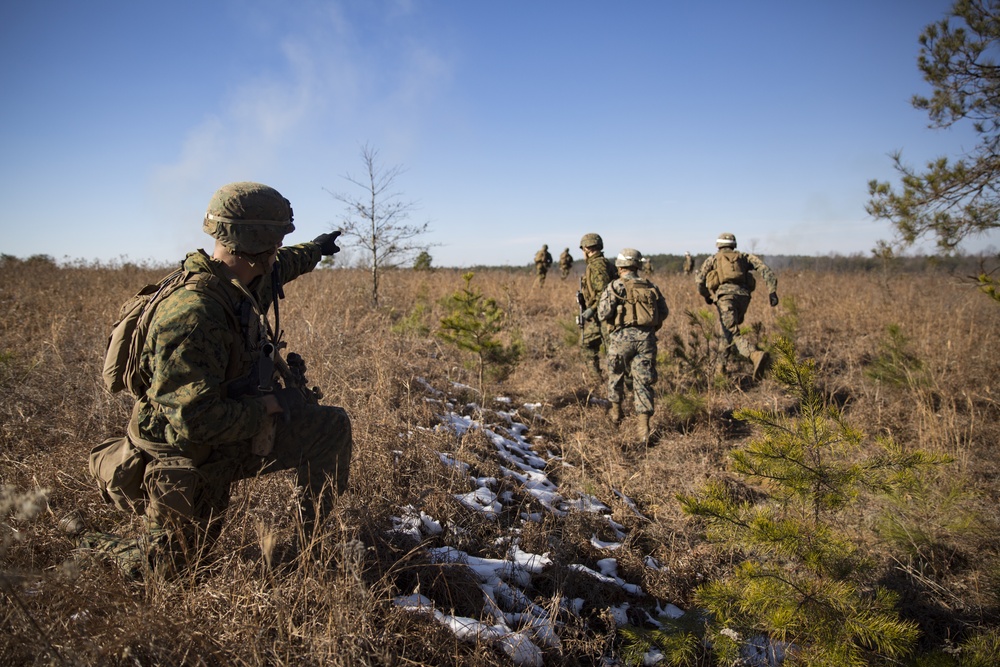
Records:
x=802, y=582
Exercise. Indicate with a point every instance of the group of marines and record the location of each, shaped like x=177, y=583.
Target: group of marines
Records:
x=724, y=280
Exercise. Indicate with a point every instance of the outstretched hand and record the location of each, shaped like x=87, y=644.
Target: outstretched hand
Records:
x=328, y=243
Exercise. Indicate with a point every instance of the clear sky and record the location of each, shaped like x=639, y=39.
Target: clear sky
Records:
x=656, y=123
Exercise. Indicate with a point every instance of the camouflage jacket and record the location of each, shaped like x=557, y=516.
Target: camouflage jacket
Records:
x=756, y=262
x=195, y=349
x=543, y=258
x=599, y=273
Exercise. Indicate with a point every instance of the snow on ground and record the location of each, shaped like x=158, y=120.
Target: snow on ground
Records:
x=513, y=622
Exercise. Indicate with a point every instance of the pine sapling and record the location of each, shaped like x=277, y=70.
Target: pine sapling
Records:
x=474, y=323
x=802, y=582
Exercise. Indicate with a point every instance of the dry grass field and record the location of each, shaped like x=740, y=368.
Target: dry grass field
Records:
x=913, y=356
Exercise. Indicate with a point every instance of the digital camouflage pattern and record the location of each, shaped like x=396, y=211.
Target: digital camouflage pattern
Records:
x=195, y=428
x=732, y=300
x=632, y=349
x=598, y=274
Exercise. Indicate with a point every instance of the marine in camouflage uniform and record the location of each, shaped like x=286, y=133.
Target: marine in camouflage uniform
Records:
x=543, y=260
x=732, y=298
x=565, y=263
x=688, y=263
x=632, y=347
x=201, y=421
x=598, y=273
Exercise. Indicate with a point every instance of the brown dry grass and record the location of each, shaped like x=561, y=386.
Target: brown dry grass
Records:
x=62, y=608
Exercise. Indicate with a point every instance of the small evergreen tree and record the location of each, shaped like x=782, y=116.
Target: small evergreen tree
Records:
x=423, y=261
x=802, y=582
x=473, y=323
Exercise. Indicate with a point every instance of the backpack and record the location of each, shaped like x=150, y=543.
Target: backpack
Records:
x=731, y=268
x=128, y=333
x=639, y=308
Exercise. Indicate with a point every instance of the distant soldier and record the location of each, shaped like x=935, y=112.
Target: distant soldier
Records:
x=565, y=263
x=725, y=279
x=647, y=266
x=688, y=263
x=598, y=273
x=635, y=310
x=543, y=260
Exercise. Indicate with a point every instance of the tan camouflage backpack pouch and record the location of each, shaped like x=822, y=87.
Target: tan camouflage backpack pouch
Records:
x=731, y=268
x=640, y=304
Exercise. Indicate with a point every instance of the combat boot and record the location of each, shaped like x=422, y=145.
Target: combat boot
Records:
x=615, y=413
x=644, y=427
x=761, y=363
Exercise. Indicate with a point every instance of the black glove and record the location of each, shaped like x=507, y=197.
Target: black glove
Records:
x=773, y=296
x=709, y=301
x=328, y=243
x=289, y=400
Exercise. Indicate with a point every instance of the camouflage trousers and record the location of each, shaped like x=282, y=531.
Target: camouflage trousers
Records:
x=592, y=338
x=732, y=309
x=540, y=272
x=188, y=489
x=632, y=355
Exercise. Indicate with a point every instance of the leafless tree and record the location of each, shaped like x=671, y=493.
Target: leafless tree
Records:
x=376, y=220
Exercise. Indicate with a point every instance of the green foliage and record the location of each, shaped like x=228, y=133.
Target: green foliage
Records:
x=923, y=523
x=802, y=581
x=988, y=284
x=694, y=354
x=788, y=321
x=570, y=333
x=895, y=364
x=952, y=200
x=474, y=323
x=678, y=639
x=422, y=261
x=686, y=406
x=416, y=322
x=982, y=650
x=413, y=323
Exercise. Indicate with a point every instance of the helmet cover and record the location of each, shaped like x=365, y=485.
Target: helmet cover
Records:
x=725, y=240
x=629, y=258
x=248, y=218
x=592, y=241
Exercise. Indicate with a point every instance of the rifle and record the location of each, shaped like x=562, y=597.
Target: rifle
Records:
x=261, y=381
x=581, y=305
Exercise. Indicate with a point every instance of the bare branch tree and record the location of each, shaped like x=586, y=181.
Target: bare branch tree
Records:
x=376, y=221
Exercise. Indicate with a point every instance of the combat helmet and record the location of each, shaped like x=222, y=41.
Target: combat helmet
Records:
x=592, y=241
x=629, y=258
x=249, y=219
x=725, y=240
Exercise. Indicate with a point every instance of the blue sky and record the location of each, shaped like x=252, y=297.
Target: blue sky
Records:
x=657, y=124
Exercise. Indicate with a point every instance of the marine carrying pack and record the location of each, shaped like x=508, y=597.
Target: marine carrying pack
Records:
x=731, y=268
x=128, y=333
x=639, y=308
